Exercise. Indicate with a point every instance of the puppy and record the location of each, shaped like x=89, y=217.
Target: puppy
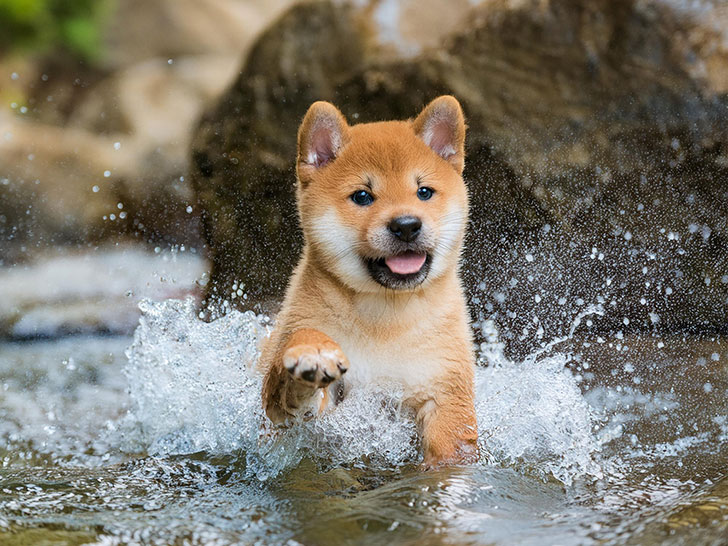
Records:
x=377, y=294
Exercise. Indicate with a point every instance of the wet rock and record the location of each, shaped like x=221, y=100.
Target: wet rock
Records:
x=156, y=101
x=150, y=109
x=597, y=154
x=66, y=187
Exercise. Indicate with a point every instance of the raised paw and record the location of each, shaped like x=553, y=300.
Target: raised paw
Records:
x=315, y=364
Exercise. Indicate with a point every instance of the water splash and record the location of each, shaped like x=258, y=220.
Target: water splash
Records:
x=190, y=382
x=194, y=387
x=533, y=414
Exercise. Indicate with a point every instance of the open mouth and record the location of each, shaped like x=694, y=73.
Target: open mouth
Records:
x=404, y=270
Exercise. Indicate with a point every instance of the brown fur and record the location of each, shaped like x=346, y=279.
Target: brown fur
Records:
x=334, y=319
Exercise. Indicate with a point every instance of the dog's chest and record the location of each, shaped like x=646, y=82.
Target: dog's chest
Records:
x=401, y=362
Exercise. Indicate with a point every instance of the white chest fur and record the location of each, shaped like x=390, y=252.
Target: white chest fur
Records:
x=404, y=362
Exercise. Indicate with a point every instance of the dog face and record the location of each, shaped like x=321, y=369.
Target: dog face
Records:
x=383, y=205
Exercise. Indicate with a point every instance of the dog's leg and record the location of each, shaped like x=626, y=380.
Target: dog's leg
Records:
x=305, y=367
x=449, y=428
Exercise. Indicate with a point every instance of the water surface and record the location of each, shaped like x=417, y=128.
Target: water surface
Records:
x=160, y=439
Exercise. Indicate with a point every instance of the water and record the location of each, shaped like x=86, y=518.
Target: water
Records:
x=160, y=439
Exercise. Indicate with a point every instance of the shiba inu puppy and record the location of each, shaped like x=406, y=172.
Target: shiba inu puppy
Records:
x=377, y=295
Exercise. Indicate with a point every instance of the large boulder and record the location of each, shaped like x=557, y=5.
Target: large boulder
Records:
x=597, y=154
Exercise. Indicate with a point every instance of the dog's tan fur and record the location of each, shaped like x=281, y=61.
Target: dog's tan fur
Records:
x=336, y=318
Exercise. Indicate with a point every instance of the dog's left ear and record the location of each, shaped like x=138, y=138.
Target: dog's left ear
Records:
x=322, y=135
x=442, y=126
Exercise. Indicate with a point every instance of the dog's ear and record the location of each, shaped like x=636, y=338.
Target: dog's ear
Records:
x=322, y=135
x=442, y=126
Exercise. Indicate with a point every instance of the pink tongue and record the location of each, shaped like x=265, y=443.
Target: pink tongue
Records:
x=405, y=264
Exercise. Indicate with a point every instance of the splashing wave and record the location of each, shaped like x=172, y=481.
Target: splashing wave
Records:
x=194, y=388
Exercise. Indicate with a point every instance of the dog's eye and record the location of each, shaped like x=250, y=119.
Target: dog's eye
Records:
x=362, y=198
x=424, y=193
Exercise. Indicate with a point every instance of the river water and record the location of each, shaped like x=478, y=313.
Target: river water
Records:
x=159, y=439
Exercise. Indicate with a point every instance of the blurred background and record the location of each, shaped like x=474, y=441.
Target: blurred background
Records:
x=148, y=140
x=146, y=151
x=98, y=103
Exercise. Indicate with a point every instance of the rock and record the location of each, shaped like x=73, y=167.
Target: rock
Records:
x=65, y=186
x=243, y=148
x=597, y=155
x=155, y=101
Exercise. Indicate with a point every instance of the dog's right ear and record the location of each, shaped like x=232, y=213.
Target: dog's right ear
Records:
x=322, y=135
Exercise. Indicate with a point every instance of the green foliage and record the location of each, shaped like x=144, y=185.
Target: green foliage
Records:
x=41, y=25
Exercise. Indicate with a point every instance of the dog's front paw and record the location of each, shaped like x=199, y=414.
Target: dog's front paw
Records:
x=316, y=364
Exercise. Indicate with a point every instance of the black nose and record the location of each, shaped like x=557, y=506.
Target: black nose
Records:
x=406, y=228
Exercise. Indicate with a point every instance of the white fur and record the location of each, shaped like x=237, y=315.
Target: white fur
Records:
x=338, y=243
x=446, y=152
x=324, y=139
x=451, y=228
x=406, y=361
x=401, y=363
